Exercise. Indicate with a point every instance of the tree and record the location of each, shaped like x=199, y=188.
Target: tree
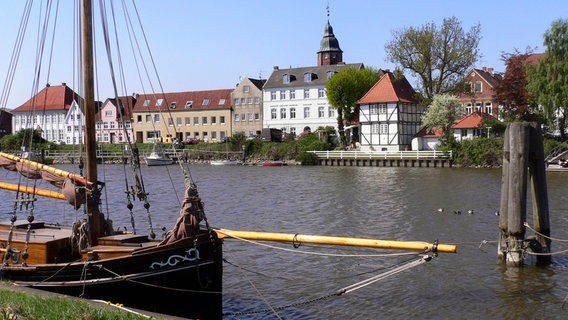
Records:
x=343, y=90
x=442, y=113
x=512, y=92
x=548, y=79
x=438, y=57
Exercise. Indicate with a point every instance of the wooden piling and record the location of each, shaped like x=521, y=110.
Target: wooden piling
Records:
x=523, y=158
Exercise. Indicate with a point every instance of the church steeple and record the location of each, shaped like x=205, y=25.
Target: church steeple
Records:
x=329, y=52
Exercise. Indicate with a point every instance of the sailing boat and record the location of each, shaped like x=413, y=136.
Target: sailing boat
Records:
x=158, y=156
x=179, y=275
x=227, y=161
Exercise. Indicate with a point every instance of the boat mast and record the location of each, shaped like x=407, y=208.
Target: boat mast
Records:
x=94, y=215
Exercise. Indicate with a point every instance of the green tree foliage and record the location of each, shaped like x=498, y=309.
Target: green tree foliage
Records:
x=437, y=56
x=479, y=152
x=512, y=92
x=343, y=90
x=442, y=113
x=28, y=138
x=548, y=80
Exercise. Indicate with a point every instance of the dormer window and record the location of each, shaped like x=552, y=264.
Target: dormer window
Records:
x=173, y=105
x=147, y=103
x=330, y=73
x=309, y=77
x=188, y=104
x=205, y=102
x=221, y=102
x=285, y=78
x=159, y=102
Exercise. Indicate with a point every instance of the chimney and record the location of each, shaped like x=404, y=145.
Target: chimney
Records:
x=484, y=68
x=63, y=83
x=276, y=68
x=490, y=70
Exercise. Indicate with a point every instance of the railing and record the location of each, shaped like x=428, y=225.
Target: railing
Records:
x=376, y=155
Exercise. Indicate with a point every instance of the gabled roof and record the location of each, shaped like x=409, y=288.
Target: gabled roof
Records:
x=319, y=75
x=491, y=78
x=259, y=83
x=51, y=98
x=535, y=58
x=126, y=106
x=425, y=133
x=199, y=100
x=390, y=89
x=473, y=120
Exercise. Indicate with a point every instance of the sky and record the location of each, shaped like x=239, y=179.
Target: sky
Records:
x=205, y=45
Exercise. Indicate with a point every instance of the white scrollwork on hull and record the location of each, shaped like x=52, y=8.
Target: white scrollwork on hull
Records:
x=192, y=255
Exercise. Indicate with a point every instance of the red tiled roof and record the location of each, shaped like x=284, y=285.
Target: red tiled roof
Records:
x=535, y=58
x=389, y=89
x=50, y=98
x=218, y=99
x=474, y=120
x=425, y=133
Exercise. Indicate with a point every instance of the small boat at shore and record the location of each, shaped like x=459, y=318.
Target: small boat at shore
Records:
x=273, y=164
x=225, y=162
x=158, y=157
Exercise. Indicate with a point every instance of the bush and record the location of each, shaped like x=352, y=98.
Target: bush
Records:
x=479, y=152
x=307, y=158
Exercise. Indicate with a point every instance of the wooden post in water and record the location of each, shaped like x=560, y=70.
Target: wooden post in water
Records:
x=523, y=151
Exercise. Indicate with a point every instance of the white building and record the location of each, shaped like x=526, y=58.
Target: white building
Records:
x=49, y=113
x=389, y=115
x=295, y=100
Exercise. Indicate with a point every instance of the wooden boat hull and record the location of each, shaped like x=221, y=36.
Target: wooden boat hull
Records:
x=179, y=279
x=224, y=162
x=156, y=161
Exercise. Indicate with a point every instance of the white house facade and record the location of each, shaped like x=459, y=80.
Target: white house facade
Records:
x=389, y=116
x=295, y=99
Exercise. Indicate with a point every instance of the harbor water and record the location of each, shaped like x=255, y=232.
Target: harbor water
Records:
x=302, y=281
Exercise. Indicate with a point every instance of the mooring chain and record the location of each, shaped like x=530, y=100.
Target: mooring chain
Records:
x=348, y=289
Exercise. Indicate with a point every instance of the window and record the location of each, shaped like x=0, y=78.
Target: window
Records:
x=478, y=86
x=236, y=101
x=249, y=100
x=173, y=105
x=477, y=106
x=375, y=128
x=222, y=119
x=468, y=108
x=178, y=121
x=272, y=95
x=306, y=112
x=292, y=113
x=384, y=128
x=321, y=112
x=170, y=121
x=285, y=78
x=488, y=108
x=157, y=117
x=152, y=135
x=159, y=102
x=282, y=95
x=213, y=135
x=148, y=118
x=243, y=117
x=146, y=103
x=273, y=113
x=237, y=117
x=256, y=100
x=108, y=113
x=203, y=120
x=246, y=89
x=463, y=132
x=321, y=93
x=187, y=121
x=307, y=77
x=373, y=109
x=195, y=121
x=205, y=102
x=221, y=102
x=382, y=108
x=243, y=101
x=306, y=93
x=257, y=116
x=213, y=120
x=188, y=104
x=249, y=116
x=139, y=118
x=330, y=73
x=283, y=113
x=292, y=94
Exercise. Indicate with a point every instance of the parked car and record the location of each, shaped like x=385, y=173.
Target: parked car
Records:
x=253, y=136
x=222, y=140
x=190, y=141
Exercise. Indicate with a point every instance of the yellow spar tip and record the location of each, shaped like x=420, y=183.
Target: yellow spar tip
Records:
x=340, y=241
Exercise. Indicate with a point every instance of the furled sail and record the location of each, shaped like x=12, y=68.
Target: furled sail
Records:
x=69, y=183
